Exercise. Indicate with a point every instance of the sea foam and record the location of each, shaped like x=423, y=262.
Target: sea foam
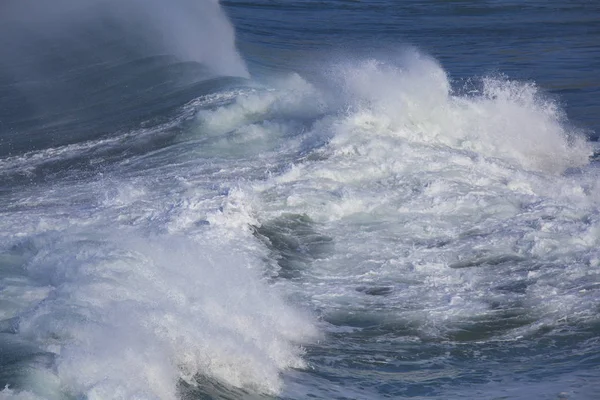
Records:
x=130, y=317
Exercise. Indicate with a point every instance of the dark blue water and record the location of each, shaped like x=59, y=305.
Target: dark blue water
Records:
x=299, y=199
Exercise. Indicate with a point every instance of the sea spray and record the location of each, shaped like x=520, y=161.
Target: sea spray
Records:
x=131, y=317
x=64, y=62
x=192, y=30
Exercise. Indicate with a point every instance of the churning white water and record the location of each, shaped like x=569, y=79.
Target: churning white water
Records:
x=285, y=212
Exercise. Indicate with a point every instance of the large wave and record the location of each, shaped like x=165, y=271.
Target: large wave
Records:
x=374, y=194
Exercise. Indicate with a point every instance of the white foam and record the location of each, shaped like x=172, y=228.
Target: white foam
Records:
x=9, y=394
x=129, y=317
x=130, y=312
x=509, y=120
x=429, y=190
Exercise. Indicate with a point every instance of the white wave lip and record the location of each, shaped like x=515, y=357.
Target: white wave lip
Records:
x=130, y=321
x=509, y=120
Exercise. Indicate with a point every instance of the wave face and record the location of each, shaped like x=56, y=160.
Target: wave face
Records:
x=339, y=226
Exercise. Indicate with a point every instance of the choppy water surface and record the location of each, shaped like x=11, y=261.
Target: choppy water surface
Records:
x=334, y=200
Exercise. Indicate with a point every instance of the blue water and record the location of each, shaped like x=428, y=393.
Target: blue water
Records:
x=307, y=199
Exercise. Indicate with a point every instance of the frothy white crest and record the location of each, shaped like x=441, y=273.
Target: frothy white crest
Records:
x=508, y=120
x=260, y=120
x=131, y=320
x=292, y=97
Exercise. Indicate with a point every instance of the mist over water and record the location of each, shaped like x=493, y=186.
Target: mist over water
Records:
x=190, y=30
x=64, y=58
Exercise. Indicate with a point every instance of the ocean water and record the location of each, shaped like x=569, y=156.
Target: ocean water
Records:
x=299, y=199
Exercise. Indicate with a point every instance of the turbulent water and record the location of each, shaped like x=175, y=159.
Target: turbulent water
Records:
x=300, y=199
